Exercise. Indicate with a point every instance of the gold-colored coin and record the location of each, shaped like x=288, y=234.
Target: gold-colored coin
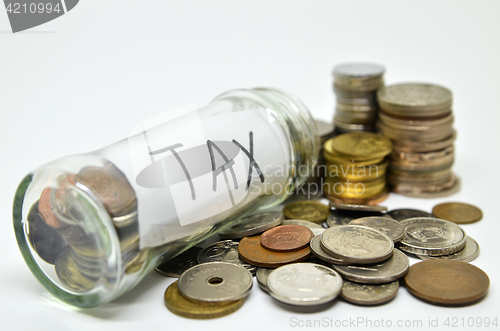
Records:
x=312, y=211
x=178, y=305
x=358, y=173
x=69, y=273
x=460, y=213
x=336, y=158
x=360, y=146
x=354, y=190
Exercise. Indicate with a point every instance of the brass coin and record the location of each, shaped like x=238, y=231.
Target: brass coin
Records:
x=312, y=211
x=178, y=305
x=447, y=282
x=360, y=145
x=460, y=213
x=251, y=251
x=285, y=238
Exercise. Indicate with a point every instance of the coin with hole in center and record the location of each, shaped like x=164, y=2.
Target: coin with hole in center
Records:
x=215, y=282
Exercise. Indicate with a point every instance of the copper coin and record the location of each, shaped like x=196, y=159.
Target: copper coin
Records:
x=285, y=238
x=251, y=251
x=447, y=282
x=460, y=213
x=45, y=208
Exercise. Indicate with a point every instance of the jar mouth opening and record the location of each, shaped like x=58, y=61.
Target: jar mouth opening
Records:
x=67, y=239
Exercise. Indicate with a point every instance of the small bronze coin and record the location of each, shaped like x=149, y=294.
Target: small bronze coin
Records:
x=178, y=305
x=45, y=208
x=308, y=210
x=251, y=251
x=285, y=238
x=447, y=282
x=460, y=213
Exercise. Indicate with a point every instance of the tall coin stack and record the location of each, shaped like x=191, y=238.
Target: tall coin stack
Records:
x=418, y=118
x=355, y=85
x=356, y=165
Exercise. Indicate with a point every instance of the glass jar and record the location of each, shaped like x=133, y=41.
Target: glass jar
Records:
x=91, y=226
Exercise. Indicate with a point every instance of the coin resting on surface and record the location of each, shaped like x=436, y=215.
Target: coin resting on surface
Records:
x=432, y=236
x=251, y=251
x=457, y=212
x=318, y=251
x=447, y=282
x=304, y=284
x=261, y=275
x=252, y=224
x=403, y=214
x=223, y=251
x=355, y=207
x=312, y=211
x=392, y=228
x=369, y=295
x=467, y=254
x=286, y=238
x=306, y=224
x=178, y=305
x=215, y=282
x=177, y=265
x=383, y=272
x=357, y=244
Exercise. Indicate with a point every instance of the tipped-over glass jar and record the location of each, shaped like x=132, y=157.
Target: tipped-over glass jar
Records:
x=91, y=226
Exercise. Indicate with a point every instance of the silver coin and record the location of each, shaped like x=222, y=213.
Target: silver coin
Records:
x=215, y=282
x=404, y=214
x=353, y=207
x=358, y=70
x=317, y=232
x=467, y=254
x=344, y=217
x=357, y=244
x=304, y=284
x=261, y=275
x=252, y=224
x=392, y=228
x=224, y=251
x=180, y=263
x=384, y=272
x=318, y=252
x=432, y=236
x=369, y=295
x=306, y=224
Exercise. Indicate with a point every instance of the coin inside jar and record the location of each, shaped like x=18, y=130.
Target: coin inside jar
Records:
x=215, y=282
x=304, y=284
x=177, y=265
x=447, y=282
x=285, y=238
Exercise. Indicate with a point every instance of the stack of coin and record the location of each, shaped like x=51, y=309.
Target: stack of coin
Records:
x=356, y=168
x=418, y=118
x=434, y=238
x=209, y=290
x=355, y=85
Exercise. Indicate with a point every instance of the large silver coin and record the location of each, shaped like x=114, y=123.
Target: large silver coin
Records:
x=224, y=251
x=306, y=224
x=392, y=228
x=321, y=254
x=215, y=282
x=357, y=244
x=404, y=214
x=432, y=236
x=177, y=265
x=261, y=275
x=252, y=224
x=467, y=254
x=304, y=284
x=369, y=295
x=353, y=207
x=384, y=272
x=344, y=217
x=358, y=70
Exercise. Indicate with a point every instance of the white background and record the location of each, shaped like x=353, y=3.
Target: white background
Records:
x=87, y=78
